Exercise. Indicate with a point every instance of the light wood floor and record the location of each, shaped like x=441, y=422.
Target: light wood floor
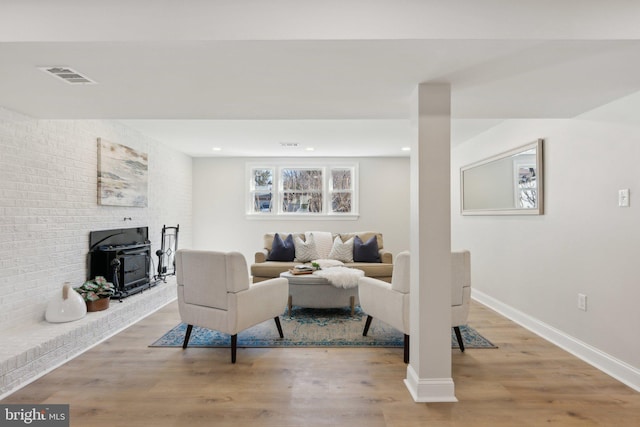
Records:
x=526, y=382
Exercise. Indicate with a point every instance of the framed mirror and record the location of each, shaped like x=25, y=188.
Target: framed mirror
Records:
x=509, y=183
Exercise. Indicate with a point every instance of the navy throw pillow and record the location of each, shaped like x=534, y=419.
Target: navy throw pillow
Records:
x=282, y=250
x=365, y=252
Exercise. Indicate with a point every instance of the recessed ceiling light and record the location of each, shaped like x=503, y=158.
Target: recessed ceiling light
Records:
x=310, y=149
x=217, y=149
x=406, y=148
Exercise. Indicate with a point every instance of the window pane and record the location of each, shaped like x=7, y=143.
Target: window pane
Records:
x=301, y=202
x=262, y=189
x=527, y=186
x=528, y=198
x=262, y=202
x=341, y=202
x=315, y=203
x=263, y=179
x=302, y=179
x=341, y=179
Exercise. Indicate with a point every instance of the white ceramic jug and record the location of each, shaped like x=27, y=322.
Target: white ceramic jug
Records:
x=66, y=306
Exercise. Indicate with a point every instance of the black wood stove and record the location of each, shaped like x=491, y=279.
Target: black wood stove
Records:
x=123, y=257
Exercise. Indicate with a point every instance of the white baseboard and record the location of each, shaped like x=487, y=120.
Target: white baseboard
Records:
x=618, y=369
x=431, y=389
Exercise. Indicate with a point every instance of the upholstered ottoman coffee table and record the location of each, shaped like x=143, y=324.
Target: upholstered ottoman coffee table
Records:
x=315, y=291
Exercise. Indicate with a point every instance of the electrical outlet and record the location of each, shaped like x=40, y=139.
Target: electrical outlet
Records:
x=582, y=302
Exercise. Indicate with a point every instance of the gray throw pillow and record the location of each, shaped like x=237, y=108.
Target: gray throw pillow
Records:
x=282, y=250
x=367, y=251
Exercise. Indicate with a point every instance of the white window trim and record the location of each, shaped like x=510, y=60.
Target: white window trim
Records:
x=277, y=213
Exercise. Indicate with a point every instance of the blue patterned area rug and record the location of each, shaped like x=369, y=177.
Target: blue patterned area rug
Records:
x=309, y=327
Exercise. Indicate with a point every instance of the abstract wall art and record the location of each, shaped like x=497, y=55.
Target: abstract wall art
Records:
x=122, y=175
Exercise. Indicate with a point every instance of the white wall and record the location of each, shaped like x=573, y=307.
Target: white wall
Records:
x=584, y=243
x=48, y=205
x=220, y=189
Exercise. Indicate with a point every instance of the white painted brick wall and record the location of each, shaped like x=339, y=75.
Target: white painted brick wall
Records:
x=48, y=205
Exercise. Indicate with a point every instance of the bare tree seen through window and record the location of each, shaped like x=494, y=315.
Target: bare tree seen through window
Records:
x=302, y=190
x=341, y=190
x=527, y=187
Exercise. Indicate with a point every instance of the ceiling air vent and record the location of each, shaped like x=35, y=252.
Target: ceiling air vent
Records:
x=67, y=74
x=289, y=144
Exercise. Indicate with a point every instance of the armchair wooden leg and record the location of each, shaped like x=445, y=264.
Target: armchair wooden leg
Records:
x=279, y=326
x=406, y=348
x=234, y=346
x=187, y=335
x=366, y=326
x=456, y=329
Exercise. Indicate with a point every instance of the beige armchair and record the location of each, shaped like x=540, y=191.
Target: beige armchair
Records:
x=390, y=302
x=214, y=292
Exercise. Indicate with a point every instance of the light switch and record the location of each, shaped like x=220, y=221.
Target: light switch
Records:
x=582, y=302
x=623, y=198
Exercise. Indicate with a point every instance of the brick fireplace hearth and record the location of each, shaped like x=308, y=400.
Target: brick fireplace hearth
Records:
x=29, y=352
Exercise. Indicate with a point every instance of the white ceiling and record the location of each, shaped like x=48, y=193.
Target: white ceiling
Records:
x=341, y=97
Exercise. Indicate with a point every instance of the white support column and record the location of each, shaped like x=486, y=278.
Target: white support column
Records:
x=429, y=372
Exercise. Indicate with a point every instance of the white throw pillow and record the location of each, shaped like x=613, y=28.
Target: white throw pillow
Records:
x=323, y=241
x=305, y=251
x=342, y=251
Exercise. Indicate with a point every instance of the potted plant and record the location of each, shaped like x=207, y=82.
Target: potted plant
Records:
x=96, y=293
